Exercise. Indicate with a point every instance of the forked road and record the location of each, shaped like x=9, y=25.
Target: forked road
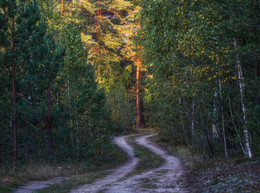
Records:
x=117, y=174
x=163, y=179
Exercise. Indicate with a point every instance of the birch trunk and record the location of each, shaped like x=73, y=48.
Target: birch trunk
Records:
x=235, y=127
x=223, y=119
x=214, y=127
x=241, y=82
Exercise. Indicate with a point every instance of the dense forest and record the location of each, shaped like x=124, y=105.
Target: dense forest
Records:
x=76, y=72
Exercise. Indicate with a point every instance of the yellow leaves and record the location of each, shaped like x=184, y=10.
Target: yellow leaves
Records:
x=195, y=93
x=201, y=16
x=179, y=46
x=129, y=68
x=86, y=38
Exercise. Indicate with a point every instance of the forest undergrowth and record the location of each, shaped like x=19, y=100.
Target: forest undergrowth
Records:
x=218, y=174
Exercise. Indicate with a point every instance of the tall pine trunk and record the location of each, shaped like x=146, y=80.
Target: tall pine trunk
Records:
x=62, y=7
x=139, y=100
x=241, y=82
x=14, y=97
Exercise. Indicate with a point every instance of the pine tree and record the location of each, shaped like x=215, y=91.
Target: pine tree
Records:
x=24, y=51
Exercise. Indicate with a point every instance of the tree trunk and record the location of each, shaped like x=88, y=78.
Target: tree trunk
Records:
x=14, y=97
x=138, y=115
x=223, y=119
x=140, y=122
x=235, y=127
x=214, y=126
x=70, y=114
x=241, y=82
x=49, y=120
x=192, y=119
x=77, y=124
x=62, y=7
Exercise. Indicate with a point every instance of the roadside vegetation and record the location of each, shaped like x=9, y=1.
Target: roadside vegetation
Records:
x=148, y=159
x=203, y=174
x=77, y=173
x=75, y=181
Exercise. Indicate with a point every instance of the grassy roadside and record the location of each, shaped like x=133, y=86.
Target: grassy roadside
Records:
x=218, y=174
x=11, y=178
x=148, y=159
x=66, y=185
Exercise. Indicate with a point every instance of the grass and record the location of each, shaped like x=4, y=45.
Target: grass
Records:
x=75, y=181
x=189, y=159
x=149, y=186
x=11, y=178
x=148, y=159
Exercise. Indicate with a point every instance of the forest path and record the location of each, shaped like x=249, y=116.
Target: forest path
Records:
x=163, y=179
x=117, y=173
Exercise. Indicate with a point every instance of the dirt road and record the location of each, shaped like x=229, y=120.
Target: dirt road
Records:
x=163, y=179
x=115, y=175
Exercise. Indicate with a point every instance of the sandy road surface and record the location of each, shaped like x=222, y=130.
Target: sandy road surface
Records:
x=165, y=179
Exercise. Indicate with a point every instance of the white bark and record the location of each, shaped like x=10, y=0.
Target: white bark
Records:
x=235, y=127
x=214, y=127
x=223, y=119
x=241, y=82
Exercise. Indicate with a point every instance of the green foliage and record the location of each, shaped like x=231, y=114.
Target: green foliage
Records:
x=62, y=112
x=192, y=57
